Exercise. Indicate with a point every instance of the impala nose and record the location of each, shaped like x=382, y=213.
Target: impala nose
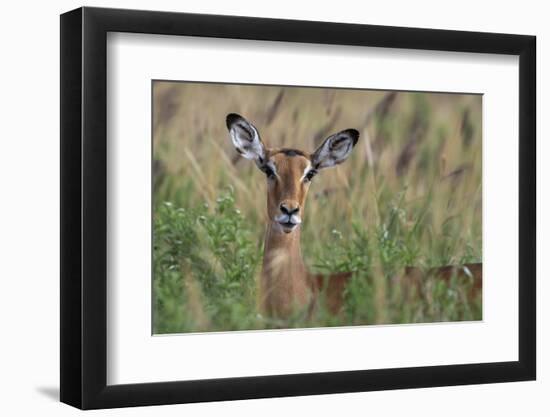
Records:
x=288, y=209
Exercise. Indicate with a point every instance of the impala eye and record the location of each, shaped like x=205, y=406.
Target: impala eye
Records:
x=309, y=176
x=268, y=171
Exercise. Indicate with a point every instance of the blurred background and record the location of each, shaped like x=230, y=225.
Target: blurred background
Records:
x=410, y=194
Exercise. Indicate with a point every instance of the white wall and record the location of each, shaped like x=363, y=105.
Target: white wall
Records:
x=29, y=174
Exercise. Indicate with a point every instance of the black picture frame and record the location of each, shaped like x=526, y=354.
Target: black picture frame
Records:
x=84, y=207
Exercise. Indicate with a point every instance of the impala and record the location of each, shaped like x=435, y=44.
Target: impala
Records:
x=286, y=286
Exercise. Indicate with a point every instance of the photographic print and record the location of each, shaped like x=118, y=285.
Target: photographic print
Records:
x=278, y=207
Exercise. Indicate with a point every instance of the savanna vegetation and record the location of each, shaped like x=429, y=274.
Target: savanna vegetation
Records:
x=410, y=194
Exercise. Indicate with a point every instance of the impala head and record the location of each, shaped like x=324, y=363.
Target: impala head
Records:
x=289, y=172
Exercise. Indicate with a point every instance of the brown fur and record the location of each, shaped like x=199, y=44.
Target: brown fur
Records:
x=414, y=277
x=332, y=287
x=286, y=285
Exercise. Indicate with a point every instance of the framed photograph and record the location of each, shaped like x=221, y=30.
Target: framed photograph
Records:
x=257, y=208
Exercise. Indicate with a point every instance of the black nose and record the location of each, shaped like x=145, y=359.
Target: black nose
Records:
x=288, y=211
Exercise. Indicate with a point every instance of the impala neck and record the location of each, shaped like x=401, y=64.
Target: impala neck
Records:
x=285, y=281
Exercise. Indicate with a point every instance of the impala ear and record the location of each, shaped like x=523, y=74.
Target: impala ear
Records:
x=246, y=138
x=335, y=149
